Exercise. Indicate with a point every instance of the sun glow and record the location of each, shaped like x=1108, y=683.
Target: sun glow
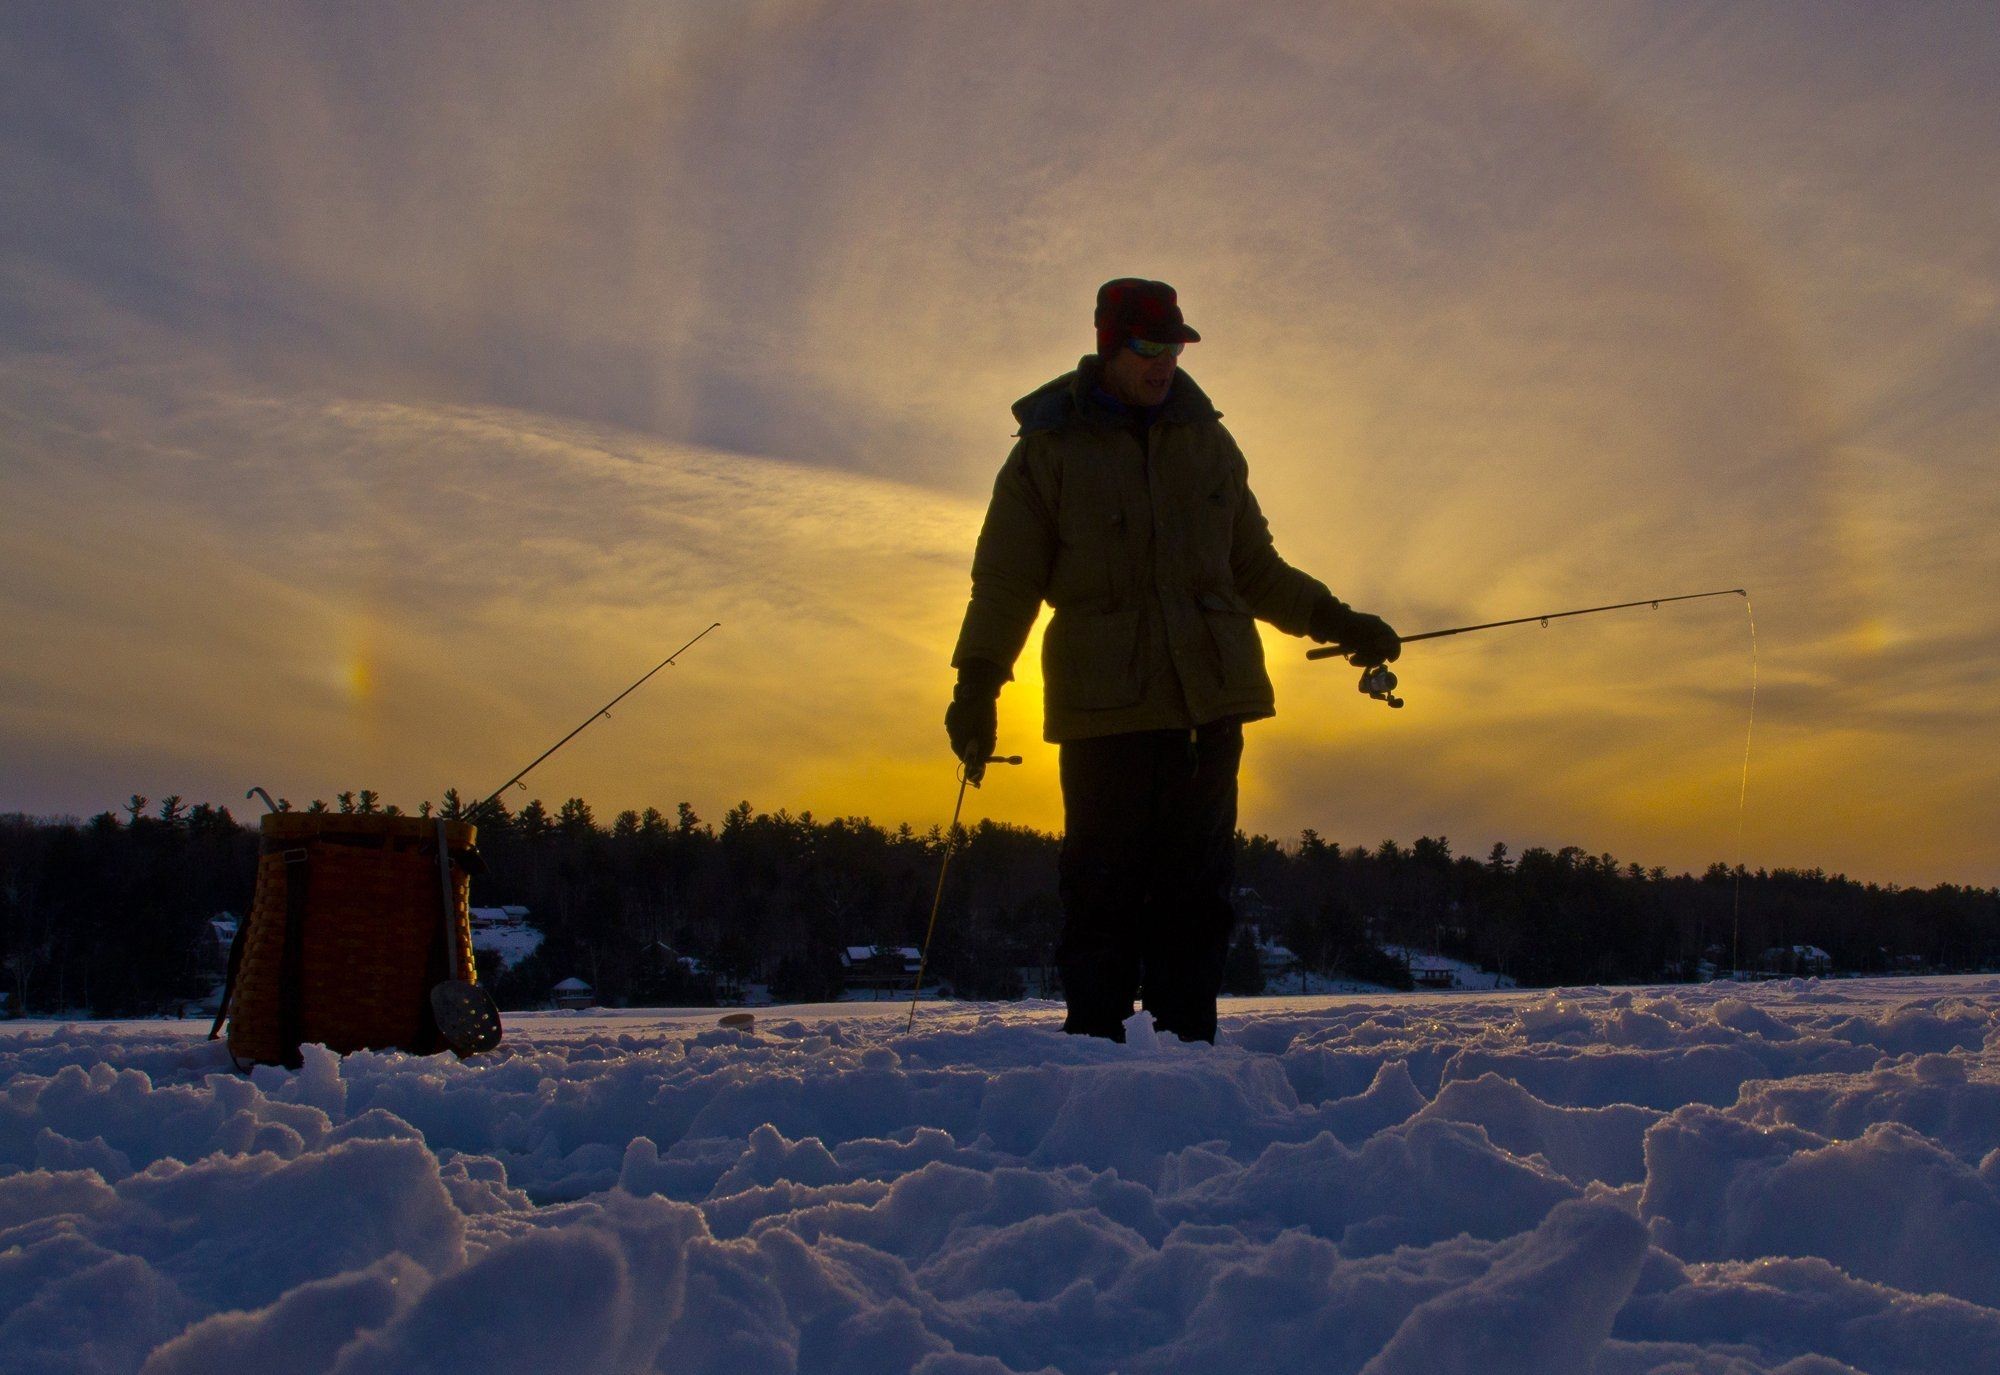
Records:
x=1508, y=311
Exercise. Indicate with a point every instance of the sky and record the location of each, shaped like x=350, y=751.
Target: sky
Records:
x=384, y=387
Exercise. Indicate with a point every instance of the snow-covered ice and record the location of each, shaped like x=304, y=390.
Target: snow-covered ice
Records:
x=1795, y=1177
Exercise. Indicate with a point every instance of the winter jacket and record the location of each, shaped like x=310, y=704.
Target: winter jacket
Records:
x=1152, y=553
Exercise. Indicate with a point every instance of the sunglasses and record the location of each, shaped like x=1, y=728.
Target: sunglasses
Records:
x=1152, y=348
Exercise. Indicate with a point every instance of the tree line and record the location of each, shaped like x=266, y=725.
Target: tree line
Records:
x=110, y=916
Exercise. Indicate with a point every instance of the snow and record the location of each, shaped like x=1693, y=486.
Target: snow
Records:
x=1798, y=1176
x=504, y=931
x=1296, y=981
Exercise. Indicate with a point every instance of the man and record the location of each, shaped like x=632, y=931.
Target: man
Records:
x=1126, y=506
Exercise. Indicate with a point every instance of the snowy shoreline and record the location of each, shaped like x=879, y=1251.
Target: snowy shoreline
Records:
x=1800, y=1176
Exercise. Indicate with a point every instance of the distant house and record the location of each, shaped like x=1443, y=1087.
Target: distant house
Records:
x=211, y=959
x=217, y=938
x=1430, y=971
x=1796, y=959
x=572, y=992
x=1277, y=960
x=880, y=968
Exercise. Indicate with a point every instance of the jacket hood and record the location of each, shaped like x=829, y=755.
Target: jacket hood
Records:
x=1066, y=401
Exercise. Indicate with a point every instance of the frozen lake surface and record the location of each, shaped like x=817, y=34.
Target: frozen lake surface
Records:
x=1800, y=1177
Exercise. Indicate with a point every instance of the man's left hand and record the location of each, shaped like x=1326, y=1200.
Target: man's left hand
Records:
x=971, y=722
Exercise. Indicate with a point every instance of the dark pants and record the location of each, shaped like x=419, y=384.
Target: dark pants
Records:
x=1148, y=855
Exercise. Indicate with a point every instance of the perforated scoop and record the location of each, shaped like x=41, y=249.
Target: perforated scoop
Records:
x=466, y=1016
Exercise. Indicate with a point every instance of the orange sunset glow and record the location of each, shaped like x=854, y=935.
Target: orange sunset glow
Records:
x=383, y=389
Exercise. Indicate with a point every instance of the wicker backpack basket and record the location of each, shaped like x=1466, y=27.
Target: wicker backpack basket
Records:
x=346, y=936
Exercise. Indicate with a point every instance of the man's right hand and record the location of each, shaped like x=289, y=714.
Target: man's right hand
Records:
x=972, y=721
x=1366, y=640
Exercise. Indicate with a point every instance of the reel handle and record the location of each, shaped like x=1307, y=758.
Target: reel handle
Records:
x=975, y=770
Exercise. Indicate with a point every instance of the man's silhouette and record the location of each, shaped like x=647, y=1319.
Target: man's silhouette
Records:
x=1126, y=506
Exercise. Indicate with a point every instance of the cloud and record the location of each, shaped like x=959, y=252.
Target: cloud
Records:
x=316, y=593
x=444, y=356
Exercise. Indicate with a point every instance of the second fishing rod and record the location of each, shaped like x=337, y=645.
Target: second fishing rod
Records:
x=478, y=809
x=465, y=1013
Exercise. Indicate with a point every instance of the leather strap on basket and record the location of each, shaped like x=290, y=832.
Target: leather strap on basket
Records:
x=291, y=972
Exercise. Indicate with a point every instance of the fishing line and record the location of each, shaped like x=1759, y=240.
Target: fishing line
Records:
x=937, y=900
x=1742, y=799
x=1379, y=683
x=969, y=775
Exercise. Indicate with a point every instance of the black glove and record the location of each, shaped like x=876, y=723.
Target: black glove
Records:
x=972, y=721
x=1366, y=640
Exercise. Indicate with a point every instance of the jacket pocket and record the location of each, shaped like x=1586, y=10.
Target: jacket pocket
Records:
x=1239, y=651
x=1213, y=530
x=1091, y=525
x=1090, y=661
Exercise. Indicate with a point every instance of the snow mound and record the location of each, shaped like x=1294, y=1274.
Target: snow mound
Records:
x=1800, y=1177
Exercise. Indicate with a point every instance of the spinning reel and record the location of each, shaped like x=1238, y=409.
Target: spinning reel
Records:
x=1379, y=683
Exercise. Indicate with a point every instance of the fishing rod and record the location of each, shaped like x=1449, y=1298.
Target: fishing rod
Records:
x=604, y=710
x=1378, y=682
x=969, y=775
